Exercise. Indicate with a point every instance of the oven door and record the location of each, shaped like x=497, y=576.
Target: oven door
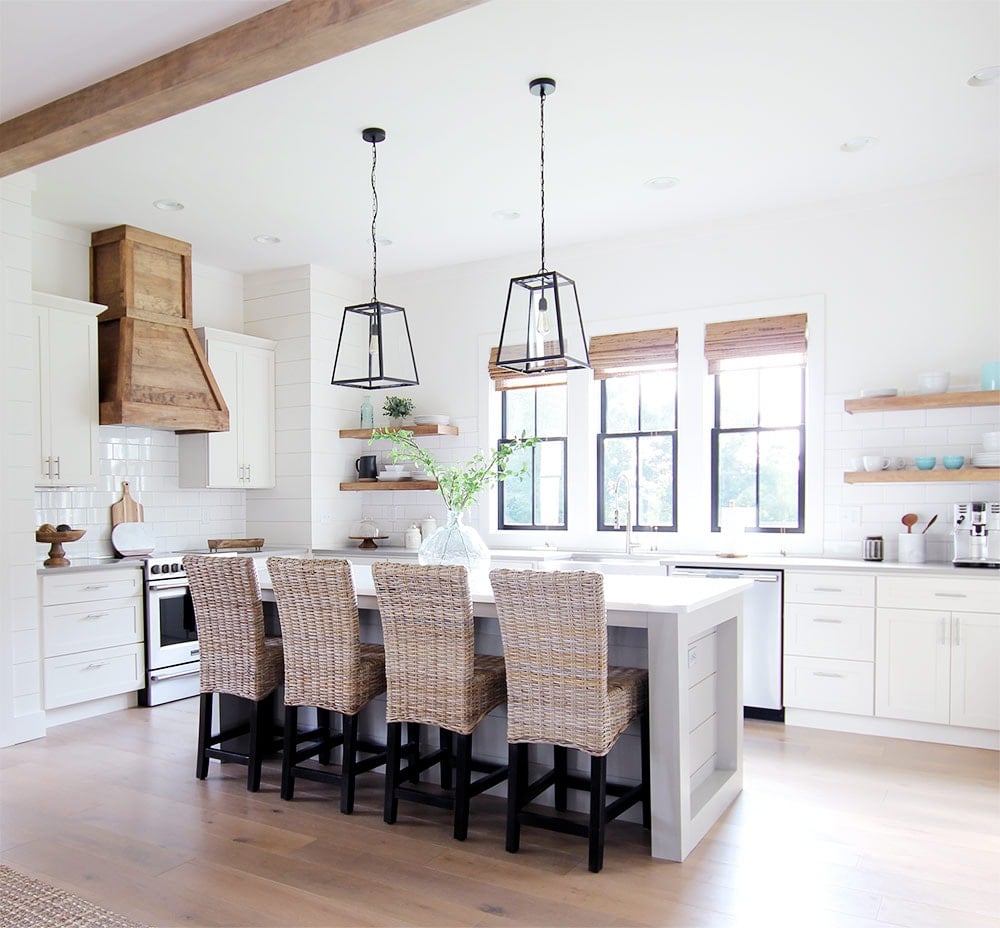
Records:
x=171, y=635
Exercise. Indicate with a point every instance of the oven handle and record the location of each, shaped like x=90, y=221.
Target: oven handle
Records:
x=168, y=585
x=158, y=675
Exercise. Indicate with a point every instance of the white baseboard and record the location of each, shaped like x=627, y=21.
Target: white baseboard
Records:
x=87, y=710
x=895, y=728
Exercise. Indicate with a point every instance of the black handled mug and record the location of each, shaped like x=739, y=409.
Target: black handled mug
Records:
x=366, y=466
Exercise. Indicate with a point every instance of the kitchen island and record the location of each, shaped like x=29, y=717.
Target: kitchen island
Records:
x=693, y=631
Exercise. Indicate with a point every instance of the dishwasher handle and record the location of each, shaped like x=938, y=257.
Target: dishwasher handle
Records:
x=758, y=576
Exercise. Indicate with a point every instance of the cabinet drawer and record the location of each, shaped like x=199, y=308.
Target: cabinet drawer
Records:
x=91, y=586
x=829, y=588
x=843, y=632
x=701, y=659
x=76, y=678
x=829, y=685
x=954, y=594
x=74, y=627
x=703, y=743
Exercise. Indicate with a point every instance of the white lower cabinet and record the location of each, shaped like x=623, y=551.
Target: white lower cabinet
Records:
x=92, y=635
x=937, y=665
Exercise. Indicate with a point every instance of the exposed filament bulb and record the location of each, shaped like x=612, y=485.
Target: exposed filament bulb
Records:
x=542, y=324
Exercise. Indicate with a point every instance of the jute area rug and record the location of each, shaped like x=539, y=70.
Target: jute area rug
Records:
x=30, y=903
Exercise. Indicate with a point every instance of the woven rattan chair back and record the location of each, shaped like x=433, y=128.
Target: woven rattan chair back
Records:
x=230, y=621
x=428, y=631
x=318, y=612
x=555, y=641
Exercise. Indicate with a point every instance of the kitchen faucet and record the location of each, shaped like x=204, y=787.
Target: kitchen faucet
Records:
x=629, y=545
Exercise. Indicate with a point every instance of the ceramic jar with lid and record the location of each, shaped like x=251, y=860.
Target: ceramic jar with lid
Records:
x=427, y=526
x=411, y=537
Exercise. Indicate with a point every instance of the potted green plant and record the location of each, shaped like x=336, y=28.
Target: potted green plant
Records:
x=459, y=484
x=397, y=407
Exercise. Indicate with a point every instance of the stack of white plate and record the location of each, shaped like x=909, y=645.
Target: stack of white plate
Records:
x=395, y=475
x=986, y=459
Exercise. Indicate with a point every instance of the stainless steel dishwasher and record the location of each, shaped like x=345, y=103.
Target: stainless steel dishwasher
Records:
x=762, y=645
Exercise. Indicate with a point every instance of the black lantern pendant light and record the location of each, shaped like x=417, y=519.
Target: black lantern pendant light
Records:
x=542, y=326
x=374, y=351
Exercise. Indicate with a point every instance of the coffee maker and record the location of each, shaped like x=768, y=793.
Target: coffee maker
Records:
x=977, y=535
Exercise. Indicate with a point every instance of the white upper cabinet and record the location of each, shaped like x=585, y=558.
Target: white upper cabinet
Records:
x=243, y=457
x=65, y=337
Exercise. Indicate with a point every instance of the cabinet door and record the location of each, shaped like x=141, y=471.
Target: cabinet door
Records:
x=73, y=398
x=256, y=417
x=975, y=670
x=912, y=664
x=224, y=447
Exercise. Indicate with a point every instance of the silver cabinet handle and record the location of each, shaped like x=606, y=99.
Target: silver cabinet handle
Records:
x=821, y=673
x=95, y=615
x=97, y=666
x=830, y=621
x=944, y=629
x=58, y=469
x=827, y=589
x=47, y=468
x=951, y=595
x=248, y=473
x=241, y=477
x=96, y=586
x=957, y=626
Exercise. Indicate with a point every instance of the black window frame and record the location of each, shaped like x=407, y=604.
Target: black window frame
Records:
x=530, y=475
x=758, y=430
x=636, y=435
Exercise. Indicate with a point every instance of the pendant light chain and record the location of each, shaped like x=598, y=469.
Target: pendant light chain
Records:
x=374, y=216
x=541, y=112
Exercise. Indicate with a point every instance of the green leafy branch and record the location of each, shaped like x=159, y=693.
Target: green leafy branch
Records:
x=460, y=483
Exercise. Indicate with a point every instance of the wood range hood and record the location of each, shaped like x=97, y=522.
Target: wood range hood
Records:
x=153, y=371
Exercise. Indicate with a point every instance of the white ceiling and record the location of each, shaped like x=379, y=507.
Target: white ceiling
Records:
x=746, y=102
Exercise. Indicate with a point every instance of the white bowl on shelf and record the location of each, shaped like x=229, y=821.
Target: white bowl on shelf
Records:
x=432, y=420
x=991, y=441
x=933, y=382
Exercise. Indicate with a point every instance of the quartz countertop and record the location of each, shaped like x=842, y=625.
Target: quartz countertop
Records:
x=78, y=564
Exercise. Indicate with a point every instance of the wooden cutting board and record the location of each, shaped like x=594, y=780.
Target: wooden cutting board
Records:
x=126, y=509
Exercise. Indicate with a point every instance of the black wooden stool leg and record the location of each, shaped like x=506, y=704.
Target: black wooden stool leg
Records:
x=598, y=796
x=516, y=757
x=323, y=723
x=350, y=760
x=446, y=743
x=463, y=779
x=288, y=752
x=412, y=752
x=393, y=735
x=560, y=762
x=647, y=812
x=256, y=755
x=204, y=733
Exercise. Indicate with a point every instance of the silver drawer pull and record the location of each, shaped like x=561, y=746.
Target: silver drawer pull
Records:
x=97, y=666
x=951, y=595
x=96, y=615
x=836, y=676
x=96, y=586
x=830, y=621
x=827, y=589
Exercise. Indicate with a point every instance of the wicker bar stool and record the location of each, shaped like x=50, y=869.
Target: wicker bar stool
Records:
x=326, y=667
x=562, y=692
x=435, y=678
x=236, y=658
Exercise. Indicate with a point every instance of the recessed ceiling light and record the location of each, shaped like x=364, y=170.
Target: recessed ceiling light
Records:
x=266, y=239
x=661, y=183
x=506, y=215
x=859, y=143
x=171, y=206
x=985, y=76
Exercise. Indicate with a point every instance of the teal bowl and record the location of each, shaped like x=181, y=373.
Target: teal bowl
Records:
x=953, y=461
x=926, y=463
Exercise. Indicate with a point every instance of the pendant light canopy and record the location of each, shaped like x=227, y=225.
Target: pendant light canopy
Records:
x=542, y=326
x=374, y=351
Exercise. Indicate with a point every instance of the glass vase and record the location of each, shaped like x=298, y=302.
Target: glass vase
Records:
x=455, y=543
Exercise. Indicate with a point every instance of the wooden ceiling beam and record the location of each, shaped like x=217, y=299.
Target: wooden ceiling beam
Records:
x=276, y=42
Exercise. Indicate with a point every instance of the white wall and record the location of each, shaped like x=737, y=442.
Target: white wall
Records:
x=910, y=283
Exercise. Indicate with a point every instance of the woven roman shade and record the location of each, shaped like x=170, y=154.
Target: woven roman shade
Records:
x=629, y=353
x=727, y=344
x=505, y=379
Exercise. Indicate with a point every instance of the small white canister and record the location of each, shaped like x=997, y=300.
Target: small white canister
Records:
x=411, y=537
x=912, y=548
x=427, y=526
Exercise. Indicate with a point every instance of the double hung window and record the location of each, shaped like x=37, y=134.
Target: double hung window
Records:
x=758, y=436
x=637, y=443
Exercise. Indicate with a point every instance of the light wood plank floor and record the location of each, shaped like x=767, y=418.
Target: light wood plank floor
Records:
x=831, y=830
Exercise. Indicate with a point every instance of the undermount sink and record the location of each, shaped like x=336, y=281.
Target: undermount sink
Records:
x=615, y=564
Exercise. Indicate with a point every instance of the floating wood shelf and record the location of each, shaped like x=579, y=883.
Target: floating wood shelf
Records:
x=416, y=429
x=942, y=475
x=376, y=485
x=923, y=401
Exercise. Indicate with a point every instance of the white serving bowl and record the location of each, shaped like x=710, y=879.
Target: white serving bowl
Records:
x=933, y=381
x=991, y=441
x=394, y=468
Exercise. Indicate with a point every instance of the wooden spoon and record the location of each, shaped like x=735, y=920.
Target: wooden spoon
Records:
x=909, y=520
x=929, y=524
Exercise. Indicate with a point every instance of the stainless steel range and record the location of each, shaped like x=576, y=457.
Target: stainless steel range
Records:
x=172, y=654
